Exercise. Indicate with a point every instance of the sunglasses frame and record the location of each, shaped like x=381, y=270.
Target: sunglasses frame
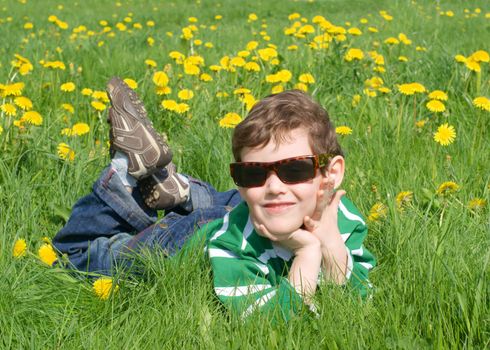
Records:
x=319, y=161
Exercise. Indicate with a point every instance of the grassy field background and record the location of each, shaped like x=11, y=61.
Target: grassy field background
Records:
x=430, y=232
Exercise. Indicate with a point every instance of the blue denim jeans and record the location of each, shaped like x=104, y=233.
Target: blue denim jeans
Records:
x=110, y=222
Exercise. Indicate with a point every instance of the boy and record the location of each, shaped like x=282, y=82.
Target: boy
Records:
x=268, y=251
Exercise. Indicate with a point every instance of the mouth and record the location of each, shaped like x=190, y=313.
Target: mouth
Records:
x=277, y=207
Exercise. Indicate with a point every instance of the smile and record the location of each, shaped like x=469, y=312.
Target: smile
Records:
x=278, y=208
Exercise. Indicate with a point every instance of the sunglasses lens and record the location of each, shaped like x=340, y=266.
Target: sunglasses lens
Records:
x=249, y=175
x=296, y=171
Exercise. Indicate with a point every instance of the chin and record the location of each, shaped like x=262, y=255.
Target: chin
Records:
x=283, y=229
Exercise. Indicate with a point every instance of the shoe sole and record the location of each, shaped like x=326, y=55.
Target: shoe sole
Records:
x=142, y=162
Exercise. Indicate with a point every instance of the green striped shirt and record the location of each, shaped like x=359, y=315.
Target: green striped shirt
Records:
x=251, y=273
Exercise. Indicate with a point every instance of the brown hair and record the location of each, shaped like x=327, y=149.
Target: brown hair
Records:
x=277, y=115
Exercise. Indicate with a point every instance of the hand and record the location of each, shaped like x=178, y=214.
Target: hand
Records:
x=323, y=222
x=296, y=241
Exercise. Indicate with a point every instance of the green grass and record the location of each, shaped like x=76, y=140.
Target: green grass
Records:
x=431, y=283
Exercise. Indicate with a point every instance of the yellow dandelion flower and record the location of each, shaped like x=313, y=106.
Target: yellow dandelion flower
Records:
x=343, y=130
x=355, y=100
x=67, y=87
x=267, y=53
x=131, y=83
x=480, y=56
x=230, y=120
x=9, y=109
x=237, y=62
x=241, y=91
x=445, y=135
x=163, y=90
x=20, y=248
x=354, y=54
x=460, y=58
x=249, y=101
x=66, y=132
x=185, y=94
x=222, y=94
x=191, y=69
x=160, y=78
x=392, y=41
x=80, y=129
x=403, y=58
x=169, y=105
x=447, y=188
x=477, y=204
x=87, y=92
x=284, y=75
x=47, y=254
x=301, y=86
x=384, y=90
x=65, y=152
x=402, y=199
x=378, y=211
x=23, y=102
x=369, y=92
x=54, y=65
x=482, y=102
x=97, y=105
x=32, y=117
x=421, y=48
x=68, y=107
x=473, y=65
x=252, y=17
x=103, y=287
x=101, y=96
x=13, y=89
x=182, y=108
x=435, y=106
x=354, y=31
x=421, y=123
x=307, y=78
x=1, y=130
x=205, y=77
x=150, y=63
x=411, y=88
x=277, y=89
x=438, y=95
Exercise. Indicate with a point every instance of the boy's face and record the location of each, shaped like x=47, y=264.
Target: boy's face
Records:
x=281, y=207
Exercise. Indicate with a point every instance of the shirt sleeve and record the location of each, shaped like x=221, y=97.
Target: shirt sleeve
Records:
x=360, y=260
x=246, y=285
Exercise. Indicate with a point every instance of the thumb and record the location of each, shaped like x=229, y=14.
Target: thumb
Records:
x=336, y=198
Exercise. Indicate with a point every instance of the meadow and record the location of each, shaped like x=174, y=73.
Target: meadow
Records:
x=407, y=84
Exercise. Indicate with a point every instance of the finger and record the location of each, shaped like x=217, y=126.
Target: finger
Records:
x=310, y=224
x=263, y=231
x=336, y=198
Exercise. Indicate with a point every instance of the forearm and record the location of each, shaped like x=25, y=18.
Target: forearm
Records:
x=334, y=259
x=304, y=271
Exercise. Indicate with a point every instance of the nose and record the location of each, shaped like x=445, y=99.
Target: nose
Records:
x=274, y=184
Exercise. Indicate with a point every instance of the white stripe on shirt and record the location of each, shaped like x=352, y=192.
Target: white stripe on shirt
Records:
x=349, y=215
x=221, y=253
x=366, y=265
x=223, y=228
x=259, y=302
x=240, y=290
x=358, y=252
x=247, y=231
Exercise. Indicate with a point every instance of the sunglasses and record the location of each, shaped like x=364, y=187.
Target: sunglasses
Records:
x=290, y=170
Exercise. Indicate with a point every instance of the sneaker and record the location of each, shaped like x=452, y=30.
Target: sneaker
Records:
x=132, y=132
x=164, y=189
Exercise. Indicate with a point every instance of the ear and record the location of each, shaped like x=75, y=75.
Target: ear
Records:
x=336, y=170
